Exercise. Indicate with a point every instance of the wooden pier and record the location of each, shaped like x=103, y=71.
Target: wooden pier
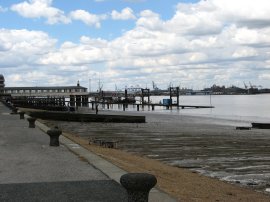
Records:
x=76, y=100
x=124, y=106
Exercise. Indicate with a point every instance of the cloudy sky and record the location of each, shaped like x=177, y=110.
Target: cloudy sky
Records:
x=190, y=43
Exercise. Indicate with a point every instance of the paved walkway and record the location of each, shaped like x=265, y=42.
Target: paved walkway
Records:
x=31, y=170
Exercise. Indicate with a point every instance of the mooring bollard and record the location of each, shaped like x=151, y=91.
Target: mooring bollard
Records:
x=31, y=121
x=54, y=136
x=138, y=185
x=21, y=115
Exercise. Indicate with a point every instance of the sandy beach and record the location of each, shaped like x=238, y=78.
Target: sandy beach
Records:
x=182, y=151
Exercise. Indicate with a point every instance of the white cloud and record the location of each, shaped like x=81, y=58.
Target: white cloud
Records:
x=40, y=9
x=245, y=52
x=150, y=20
x=87, y=18
x=21, y=52
x=247, y=36
x=243, y=11
x=87, y=52
x=23, y=46
x=125, y=14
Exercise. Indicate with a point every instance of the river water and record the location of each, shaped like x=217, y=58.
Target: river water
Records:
x=233, y=107
x=252, y=108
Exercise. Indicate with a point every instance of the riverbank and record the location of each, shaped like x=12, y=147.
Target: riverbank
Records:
x=203, y=145
x=183, y=184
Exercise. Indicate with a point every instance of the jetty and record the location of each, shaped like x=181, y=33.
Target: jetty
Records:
x=82, y=117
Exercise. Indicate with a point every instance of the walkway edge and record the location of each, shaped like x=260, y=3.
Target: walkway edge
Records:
x=109, y=169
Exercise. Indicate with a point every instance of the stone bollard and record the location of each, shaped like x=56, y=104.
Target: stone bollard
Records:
x=31, y=121
x=138, y=185
x=54, y=136
x=21, y=115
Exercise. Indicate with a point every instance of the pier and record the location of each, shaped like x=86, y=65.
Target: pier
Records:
x=76, y=101
x=70, y=98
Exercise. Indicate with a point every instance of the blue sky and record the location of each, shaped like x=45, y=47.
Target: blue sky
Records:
x=109, y=29
x=189, y=43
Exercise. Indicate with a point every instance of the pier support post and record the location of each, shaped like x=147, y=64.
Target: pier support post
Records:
x=54, y=136
x=138, y=185
x=21, y=115
x=78, y=101
x=84, y=100
x=177, y=96
x=138, y=107
x=153, y=107
x=31, y=121
x=96, y=108
x=124, y=107
x=126, y=95
x=72, y=100
x=92, y=105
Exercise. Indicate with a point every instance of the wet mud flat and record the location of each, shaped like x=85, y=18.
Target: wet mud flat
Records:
x=206, y=145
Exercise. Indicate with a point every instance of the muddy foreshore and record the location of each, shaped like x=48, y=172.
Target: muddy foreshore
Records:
x=209, y=146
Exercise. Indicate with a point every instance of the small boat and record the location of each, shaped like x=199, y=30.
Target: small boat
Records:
x=261, y=125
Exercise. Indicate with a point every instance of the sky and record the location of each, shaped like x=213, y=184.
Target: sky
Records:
x=124, y=43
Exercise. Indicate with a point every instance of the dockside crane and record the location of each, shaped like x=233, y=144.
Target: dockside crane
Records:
x=154, y=86
x=245, y=85
x=252, y=86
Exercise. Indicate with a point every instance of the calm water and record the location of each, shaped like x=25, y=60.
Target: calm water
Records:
x=235, y=107
x=229, y=107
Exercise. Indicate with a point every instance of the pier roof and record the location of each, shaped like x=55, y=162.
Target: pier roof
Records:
x=45, y=87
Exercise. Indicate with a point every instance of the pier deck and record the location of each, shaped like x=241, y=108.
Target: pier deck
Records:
x=153, y=105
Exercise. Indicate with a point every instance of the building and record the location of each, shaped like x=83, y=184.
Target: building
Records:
x=41, y=91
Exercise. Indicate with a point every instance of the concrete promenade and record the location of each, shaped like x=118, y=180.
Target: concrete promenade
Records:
x=31, y=170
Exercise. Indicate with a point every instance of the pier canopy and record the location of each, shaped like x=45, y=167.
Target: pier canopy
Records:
x=46, y=91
